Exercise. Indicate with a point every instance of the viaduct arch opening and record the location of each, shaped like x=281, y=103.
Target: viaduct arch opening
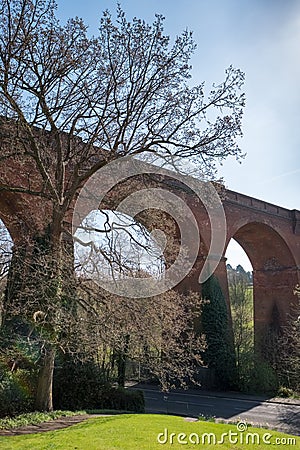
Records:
x=112, y=244
x=274, y=275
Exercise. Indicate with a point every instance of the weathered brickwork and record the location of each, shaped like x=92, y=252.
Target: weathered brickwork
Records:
x=269, y=234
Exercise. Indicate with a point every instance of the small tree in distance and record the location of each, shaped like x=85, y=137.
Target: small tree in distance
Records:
x=241, y=302
x=70, y=104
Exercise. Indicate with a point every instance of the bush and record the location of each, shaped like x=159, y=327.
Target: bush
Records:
x=263, y=378
x=76, y=385
x=81, y=386
x=246, y=370
x=285, y=392
x=122, y=399
x=16, y=392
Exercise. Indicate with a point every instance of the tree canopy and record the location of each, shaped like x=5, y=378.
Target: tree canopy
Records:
x=70, y=104
x=126, y=90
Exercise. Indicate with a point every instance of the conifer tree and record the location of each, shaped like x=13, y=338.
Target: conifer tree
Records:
x=219, y=354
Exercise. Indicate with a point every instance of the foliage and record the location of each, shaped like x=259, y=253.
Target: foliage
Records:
x=138, y=432
x=34, y=418
x=263, y=378
x=18, y=375
x=80, y=385
x=285, y=392
x=282, y=350
x=70, y=104
x=255, y=374
x=241, y=302
x=239, y=273
x=219, y=354
x=205, y=418
x=16, y=392
x=123, y=399
x=77, y=384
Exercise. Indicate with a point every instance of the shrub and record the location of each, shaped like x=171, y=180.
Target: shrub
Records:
x=122, y=399
x=285, y=392
x=263, y=378
x=76, y=385
x=79, y=385
x=16, y=392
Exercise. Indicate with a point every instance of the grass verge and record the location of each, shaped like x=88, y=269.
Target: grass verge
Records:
x=36, y=418
x=140, y=432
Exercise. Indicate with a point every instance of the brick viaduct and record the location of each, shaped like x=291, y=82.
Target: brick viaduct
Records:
x=269, y=234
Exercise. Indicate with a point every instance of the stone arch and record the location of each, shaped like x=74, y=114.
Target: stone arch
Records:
x=274, y=274
x=151, y=218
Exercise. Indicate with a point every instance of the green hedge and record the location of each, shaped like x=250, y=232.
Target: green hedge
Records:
x=81, y=386
x=122, y=399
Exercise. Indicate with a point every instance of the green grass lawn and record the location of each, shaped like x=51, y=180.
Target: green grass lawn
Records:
x=140, y=432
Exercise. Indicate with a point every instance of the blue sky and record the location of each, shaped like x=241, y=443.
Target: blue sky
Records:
x=262, y=38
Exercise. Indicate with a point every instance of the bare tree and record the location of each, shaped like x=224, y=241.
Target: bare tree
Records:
x=121, y=246
x=157, y=332
x=71, y=103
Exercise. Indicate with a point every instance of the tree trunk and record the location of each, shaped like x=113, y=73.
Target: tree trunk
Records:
x=122, y=359
x=43, y=400
x=121, y=369
x=40, y=290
